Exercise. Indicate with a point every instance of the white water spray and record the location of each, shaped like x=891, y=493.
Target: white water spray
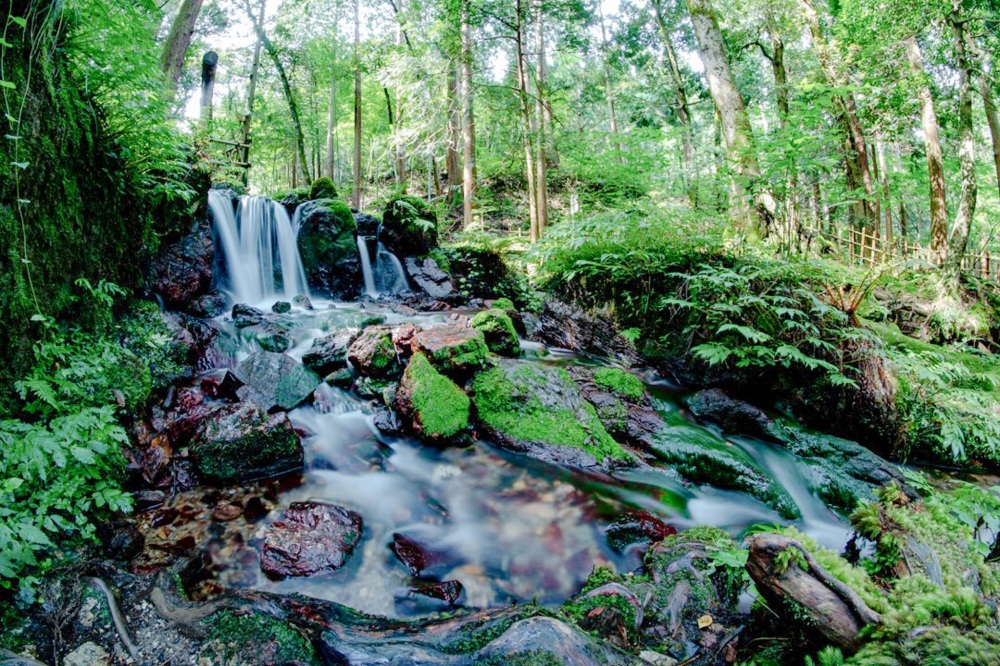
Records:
x=260, y=247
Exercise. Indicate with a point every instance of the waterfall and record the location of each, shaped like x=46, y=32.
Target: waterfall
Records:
x=366, y=268
x=389, y=275
x=260, y=247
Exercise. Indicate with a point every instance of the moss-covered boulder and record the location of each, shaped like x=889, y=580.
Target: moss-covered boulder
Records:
x=329, y=248
x=538, y=410
x=702, y=457
x=292, y=199
x=455, y=350
x=435, y=406
x=501, y=337
x=372, y=354
x=323, y=188
x=240, y=442
x=254, y=638
x=409, y=226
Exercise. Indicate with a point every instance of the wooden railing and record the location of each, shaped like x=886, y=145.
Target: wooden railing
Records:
x=862, y=246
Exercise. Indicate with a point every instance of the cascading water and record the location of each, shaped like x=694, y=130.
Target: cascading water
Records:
x=366, y=268
x=385, y=275
x=260, y=247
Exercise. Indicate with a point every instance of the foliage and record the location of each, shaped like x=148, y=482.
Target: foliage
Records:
x=323, y=188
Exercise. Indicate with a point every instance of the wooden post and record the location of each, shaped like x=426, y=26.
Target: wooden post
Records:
x=208, y=65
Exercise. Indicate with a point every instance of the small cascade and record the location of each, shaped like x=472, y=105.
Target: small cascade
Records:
x=366, y=268
x=260, y=246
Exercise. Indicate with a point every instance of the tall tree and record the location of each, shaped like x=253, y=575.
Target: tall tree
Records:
x=541, y=158
x=356, y=191
x=252, y=86
x=967, y=145
x=608, y=89
x=469, y=175
x=178, y=40
x=683, y=109
x=526, y=124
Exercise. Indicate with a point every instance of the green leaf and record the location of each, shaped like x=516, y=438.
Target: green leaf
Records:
x=19, y=20
x=712, y=353
x=83, y=455
x=21, y=165
x=7, y=84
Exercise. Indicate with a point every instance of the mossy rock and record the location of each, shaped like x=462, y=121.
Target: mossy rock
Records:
x=538, y=410
x=329, y=249
x=409, y=226
x=372, y=353
x=702, y=457
x=621, y=383
x=236, y=638
x=323, y=188
x=455, y=350
x=435, y=405
x=497, y=327
x=239, y=443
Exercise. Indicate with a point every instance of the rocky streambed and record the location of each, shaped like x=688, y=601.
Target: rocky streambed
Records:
x=365, y=483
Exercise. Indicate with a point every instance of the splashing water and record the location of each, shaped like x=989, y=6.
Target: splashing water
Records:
x=260, y=248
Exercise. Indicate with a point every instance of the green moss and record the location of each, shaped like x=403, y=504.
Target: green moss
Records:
x=332, y=241
x=410, y=225
x=257, y=639
x=620, y=382
x=468, y=355
x=497, y=327
x=442, y=408
x=530, y=658
x=261, y=453
x=508, y=401
x=504, y=304
x=323, y=188
x=475, y=636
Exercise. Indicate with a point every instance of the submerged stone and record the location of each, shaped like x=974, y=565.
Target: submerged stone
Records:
x=538, y=410
x=239, y=443
x=281, y=307
x=497, y=327
x=435, y=406
x=310, y=538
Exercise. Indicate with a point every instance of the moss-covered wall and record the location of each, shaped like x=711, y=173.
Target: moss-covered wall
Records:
x=77, y=216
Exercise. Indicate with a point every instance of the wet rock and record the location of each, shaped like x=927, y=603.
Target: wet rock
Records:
x=702, y=457
x=329, y=353
x=310, y=538
x=409, y=227
x=329, y=249
x=270, y=335
x=281, y=307
x=208, y=306
x=434, y=406
x=372, y=353
x=247, y=315
x=274, y=381
x=734, y=416
x=429, y=277
x=613, y=612
x=569, y=327
x=419, y=556
x=455, y=350
x=373, y=388
x=147, y=499
x=497, y=327
x=430, y=597
x=538, y=410
x=221, y=386
x=182, y=271
x=294, y=199
x=637, y=527
x=387, y=422
x=302, y=301
x=551, y=641
x=402, y=339
x=88, y=654
x=226, y=511
x=155, y=459
x=367, y=224
x=239, y=443
x=342, y=378
x=622, y=404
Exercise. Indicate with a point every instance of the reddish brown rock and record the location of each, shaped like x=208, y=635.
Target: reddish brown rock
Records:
x=310, y=538
x=373, y=354
x=634, y=527
x=455, y=350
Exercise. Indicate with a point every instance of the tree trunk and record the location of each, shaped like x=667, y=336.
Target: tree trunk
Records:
x=398, y=126
x=966, y=152
x=452, y=158
x=356, y=191
x=857, y=153
x=541, y=159
x=935, y=159
x=208, y=65
x=734, y=122
x=178, y=41
x=529, y=159
x=252, y=88
x=781, y=96
x=608, y=93
x=683, y=110
x=990, y=107
x=331, y=121
x=469, y=174
x=884, y=171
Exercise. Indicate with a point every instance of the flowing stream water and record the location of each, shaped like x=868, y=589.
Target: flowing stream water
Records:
x=508, y=528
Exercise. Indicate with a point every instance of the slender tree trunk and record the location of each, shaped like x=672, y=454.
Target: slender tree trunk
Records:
x=541, y=186
x=608, y=91
x=966, y=152
x=887, y=201
x=178, y=41
x=398, y=126
x=469, y=175
x=935, y=158
x=452, y=157
x=331, y=119
x=781, y=97
x=529, y=159
x=356, y=192
x=990, y=107
x=683, y=110
x=733, y=116
x=252, y=87
x=847, y=108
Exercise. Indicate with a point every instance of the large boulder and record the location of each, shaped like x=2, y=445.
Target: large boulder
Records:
x=538, y=410
x=428, y=276
x=238, y=443
x=409, y=226
x=569, y=327
x=456, y=350
x=182, y=271
x=501, y=337
x=434, y=405
x=310, y=538
x=274, y=381
x=329, y=353
x=622, y=404
x=329, y=249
